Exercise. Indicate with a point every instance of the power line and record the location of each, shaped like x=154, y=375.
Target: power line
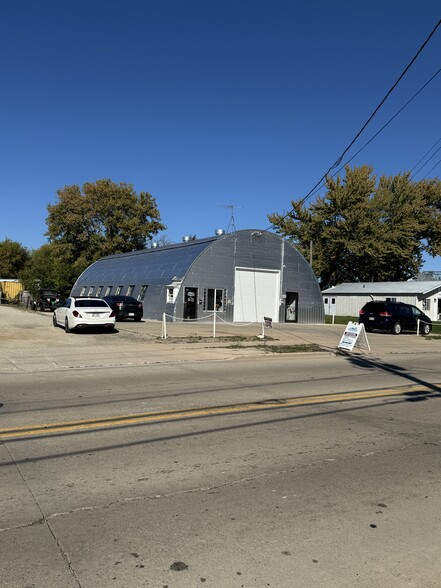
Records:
x=382, y=129
x=431, y=170
x=427, y=153
x=339, y=160
x=387, y=96
x=424, y=164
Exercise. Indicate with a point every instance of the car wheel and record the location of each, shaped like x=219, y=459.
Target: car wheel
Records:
x=66, y=326
x=54, y=320
x=368, y=329
x=426, y=329
x=138, y=318
x=396, y=329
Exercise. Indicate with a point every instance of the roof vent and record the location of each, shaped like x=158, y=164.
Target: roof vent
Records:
x=186, y=238
x=219, y=232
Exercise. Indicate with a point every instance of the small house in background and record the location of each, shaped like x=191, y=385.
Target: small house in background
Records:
x=347, y=299
x=244, y=276
x=429, y=275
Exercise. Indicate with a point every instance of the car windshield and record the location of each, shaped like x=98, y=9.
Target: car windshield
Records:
x=89, y=303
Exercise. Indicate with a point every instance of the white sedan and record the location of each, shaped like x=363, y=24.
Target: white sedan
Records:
x=79, y=313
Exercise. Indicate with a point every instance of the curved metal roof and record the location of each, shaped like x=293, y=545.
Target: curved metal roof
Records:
x=161, y=265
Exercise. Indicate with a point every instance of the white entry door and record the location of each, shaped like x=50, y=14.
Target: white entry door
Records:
x=330, y=305
x=256, y=294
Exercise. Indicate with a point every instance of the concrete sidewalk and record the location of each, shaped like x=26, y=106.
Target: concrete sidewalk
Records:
x=29, y=342
x=326, y=336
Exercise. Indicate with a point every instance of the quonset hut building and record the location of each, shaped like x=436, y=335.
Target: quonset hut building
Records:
x=244, y=276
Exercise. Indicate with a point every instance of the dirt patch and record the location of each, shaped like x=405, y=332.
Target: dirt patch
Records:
x=228, y=339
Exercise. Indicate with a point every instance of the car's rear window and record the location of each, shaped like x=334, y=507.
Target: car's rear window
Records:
x=375, y=306
x=89, y=303
x=129, y=299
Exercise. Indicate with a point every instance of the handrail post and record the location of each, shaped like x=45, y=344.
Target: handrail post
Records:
x=164, y=327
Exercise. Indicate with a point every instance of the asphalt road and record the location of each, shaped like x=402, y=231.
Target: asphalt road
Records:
x=236, y=472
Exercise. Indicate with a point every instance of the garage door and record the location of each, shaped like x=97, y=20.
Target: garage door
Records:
x=256, y=294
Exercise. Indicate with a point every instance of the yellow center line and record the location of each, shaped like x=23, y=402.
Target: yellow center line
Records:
x=170, y=415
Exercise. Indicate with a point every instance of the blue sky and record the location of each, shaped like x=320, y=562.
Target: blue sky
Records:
x=207, y=103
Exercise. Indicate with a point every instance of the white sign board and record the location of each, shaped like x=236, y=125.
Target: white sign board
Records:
x=354, y=336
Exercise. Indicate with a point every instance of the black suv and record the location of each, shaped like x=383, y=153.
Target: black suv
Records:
x=125, y=307
x=394, y=317
x=47, y=300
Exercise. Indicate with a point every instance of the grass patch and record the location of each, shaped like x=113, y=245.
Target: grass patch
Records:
x=303, y=348
x=199, y=339
x=436, y=329
x=340, y=320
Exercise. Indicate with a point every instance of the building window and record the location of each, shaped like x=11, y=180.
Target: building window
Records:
x=100, y=289
x=426, y=304
x=326, y=301
x=142, y=292
x=118, y=290
x=108, y=290
x=170, y=295
x=91, y=289
x=214, y=299
x=391, y=299
x=130, y=290
x=83, y=289
x=332, y=300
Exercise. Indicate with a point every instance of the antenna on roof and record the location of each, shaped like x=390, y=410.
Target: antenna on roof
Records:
x=231, y=224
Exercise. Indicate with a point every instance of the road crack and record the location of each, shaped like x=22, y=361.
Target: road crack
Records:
x=43, y=520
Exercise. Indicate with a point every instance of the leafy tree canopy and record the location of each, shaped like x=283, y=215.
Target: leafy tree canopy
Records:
x=101, y=218
x=48, y=268
x=13, y=257
x=363, y=230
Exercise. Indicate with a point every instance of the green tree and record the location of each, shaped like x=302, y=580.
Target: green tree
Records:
x=101, y=218
x=362, y=230
x=47, y=268
x=13, y=257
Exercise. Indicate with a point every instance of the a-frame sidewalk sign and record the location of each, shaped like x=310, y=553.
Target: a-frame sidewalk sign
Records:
x=354, y=336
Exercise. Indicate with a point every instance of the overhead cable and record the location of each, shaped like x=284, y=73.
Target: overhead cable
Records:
x=431, y=170
x=339, y=160
x=424, y=164
x=381, y=130
x=423, y=157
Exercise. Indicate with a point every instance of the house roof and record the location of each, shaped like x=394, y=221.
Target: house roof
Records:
x=382, y=288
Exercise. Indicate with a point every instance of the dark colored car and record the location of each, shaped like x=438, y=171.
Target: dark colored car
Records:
x=125, y=307
x=47, y=300
x=394, y=317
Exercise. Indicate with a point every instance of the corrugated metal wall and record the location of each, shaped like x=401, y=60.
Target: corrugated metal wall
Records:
x=11, y=288
x=259, y=250
x=207, y=265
